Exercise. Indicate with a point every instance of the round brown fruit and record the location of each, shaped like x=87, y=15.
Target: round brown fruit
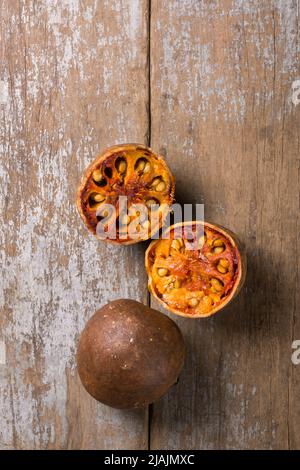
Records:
x=133, y=171
x=196, y=268
x=129, y=355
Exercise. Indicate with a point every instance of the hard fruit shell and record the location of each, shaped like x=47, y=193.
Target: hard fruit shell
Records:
x=129, y=355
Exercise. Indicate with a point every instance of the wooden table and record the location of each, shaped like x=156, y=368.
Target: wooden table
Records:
x=211, y=86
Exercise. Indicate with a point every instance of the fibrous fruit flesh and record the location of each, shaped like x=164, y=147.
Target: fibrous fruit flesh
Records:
x=196, y=268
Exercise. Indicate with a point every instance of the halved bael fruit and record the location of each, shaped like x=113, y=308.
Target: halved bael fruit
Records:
x=126, y=194
x=196, y=268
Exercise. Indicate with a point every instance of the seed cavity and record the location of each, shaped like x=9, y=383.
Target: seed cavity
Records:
x=101, y=183
x=158, y=184
x=108, y=172
x=141, y=165
x=156, y=181
x=121, y=165
x=218, y=246
x=96, y=198
x=103, y=215
x=98, y=179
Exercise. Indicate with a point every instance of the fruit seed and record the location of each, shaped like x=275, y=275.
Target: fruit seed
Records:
x=221, y=269
x=218, y=242
x=193, y=302
x=216, y=284
x=151, y=202
x=97, y=175
x=177, y=244
x=122, y=166
x=160, y=186
x=162, y=272
x=140, y=165
x=218, y=249
x=157, y=180
x=98, y=197
x=215, y=298
x=147, y=167
x=224, y=262
x=201, y=241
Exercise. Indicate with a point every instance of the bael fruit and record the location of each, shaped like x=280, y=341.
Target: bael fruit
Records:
x=196, y=268
x=132, y=171
x=129, y=355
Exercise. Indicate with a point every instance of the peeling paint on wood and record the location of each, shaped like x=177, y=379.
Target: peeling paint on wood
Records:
x=74, y=80
x=2, y=353
x=222, y=75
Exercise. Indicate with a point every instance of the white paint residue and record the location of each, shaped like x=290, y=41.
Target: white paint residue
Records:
x=135, y=7
x=289, y=34
x=2, y=353
x=54, y=15
x=88, y=14
x=4, y=94
x=107, y=76
x=296, y=92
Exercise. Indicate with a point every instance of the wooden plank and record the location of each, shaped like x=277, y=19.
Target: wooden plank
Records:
x=74, y=80
x=222, y=112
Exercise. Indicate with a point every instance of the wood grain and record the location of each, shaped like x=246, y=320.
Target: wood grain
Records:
x=222, y=113
x=74, y=80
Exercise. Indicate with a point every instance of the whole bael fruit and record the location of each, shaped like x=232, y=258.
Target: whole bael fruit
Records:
x=129, y=355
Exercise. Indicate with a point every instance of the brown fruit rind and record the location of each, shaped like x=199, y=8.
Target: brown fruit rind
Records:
x=199, y=282
x=131, y=170
x=129, y=355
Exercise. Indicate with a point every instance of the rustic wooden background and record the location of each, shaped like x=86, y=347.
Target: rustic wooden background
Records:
x=209, y=84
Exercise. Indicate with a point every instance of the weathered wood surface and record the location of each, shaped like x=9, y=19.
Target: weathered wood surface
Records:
x=222, y=112
x=75, y=79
